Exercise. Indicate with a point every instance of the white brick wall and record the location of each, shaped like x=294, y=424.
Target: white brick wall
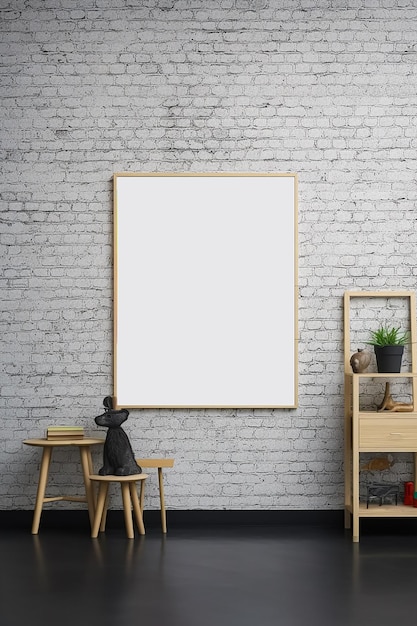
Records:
x=325, y=88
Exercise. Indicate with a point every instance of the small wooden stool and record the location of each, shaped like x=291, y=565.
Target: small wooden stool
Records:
x=130, y=498
x=159, y=463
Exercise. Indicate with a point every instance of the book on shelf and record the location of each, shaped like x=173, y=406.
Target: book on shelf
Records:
x=65, y=432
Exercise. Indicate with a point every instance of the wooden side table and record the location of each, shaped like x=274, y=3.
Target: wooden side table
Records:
x=159, y=463
x=47, y=445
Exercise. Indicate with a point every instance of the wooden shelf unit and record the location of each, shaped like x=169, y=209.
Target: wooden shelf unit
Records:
x=372, y=431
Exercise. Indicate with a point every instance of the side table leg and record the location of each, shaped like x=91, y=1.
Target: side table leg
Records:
x=162, y=500
x=86, y=464
x=40, y=495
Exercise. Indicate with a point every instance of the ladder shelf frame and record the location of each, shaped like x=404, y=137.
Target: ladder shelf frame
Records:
x=354, y=510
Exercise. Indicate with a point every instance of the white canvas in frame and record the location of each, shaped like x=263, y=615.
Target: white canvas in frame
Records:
x=205, y=290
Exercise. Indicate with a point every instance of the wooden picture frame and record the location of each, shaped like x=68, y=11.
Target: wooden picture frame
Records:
x=205, y=290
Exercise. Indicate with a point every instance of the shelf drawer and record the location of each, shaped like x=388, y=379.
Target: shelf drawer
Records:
x=388, y=434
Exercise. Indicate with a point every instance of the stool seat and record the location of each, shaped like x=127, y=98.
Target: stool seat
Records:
x=113, y=478
x=130, y=499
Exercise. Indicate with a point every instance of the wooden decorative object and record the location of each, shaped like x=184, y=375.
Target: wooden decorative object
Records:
x=378, y=464
x=388, y=404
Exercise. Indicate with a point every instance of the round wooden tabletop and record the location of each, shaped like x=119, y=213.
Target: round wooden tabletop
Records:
x=85, y=441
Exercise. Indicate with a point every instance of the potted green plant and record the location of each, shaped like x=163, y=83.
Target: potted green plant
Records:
x=389, y=342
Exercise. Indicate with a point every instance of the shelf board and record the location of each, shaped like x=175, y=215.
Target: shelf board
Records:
x=387, y=414
x=382, y=375
x=386, y=510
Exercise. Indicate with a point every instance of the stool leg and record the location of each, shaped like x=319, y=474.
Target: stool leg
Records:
x=127, y=507
x=40, y=495
x=104, y=516
x=136, y=506
x=101, y=500
x=162, y=500
x=142, y=495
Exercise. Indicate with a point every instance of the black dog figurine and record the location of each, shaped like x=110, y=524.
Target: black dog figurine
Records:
x=118, y=457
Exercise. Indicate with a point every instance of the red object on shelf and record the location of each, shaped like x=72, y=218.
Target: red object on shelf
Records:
x=409, y=494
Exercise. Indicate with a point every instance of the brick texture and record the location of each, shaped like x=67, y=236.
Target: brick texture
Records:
x=324, y=88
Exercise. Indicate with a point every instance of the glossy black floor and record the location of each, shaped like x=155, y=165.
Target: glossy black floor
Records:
x=251, y=576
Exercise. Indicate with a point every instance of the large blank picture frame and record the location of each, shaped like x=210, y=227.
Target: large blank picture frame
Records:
x=205, y=290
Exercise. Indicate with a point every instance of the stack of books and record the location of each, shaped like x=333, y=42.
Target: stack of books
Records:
x=65, y=432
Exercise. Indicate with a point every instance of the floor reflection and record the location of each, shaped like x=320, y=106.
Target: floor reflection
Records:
x=229, y=577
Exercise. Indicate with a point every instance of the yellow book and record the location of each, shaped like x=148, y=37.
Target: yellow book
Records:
x=67, y=432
